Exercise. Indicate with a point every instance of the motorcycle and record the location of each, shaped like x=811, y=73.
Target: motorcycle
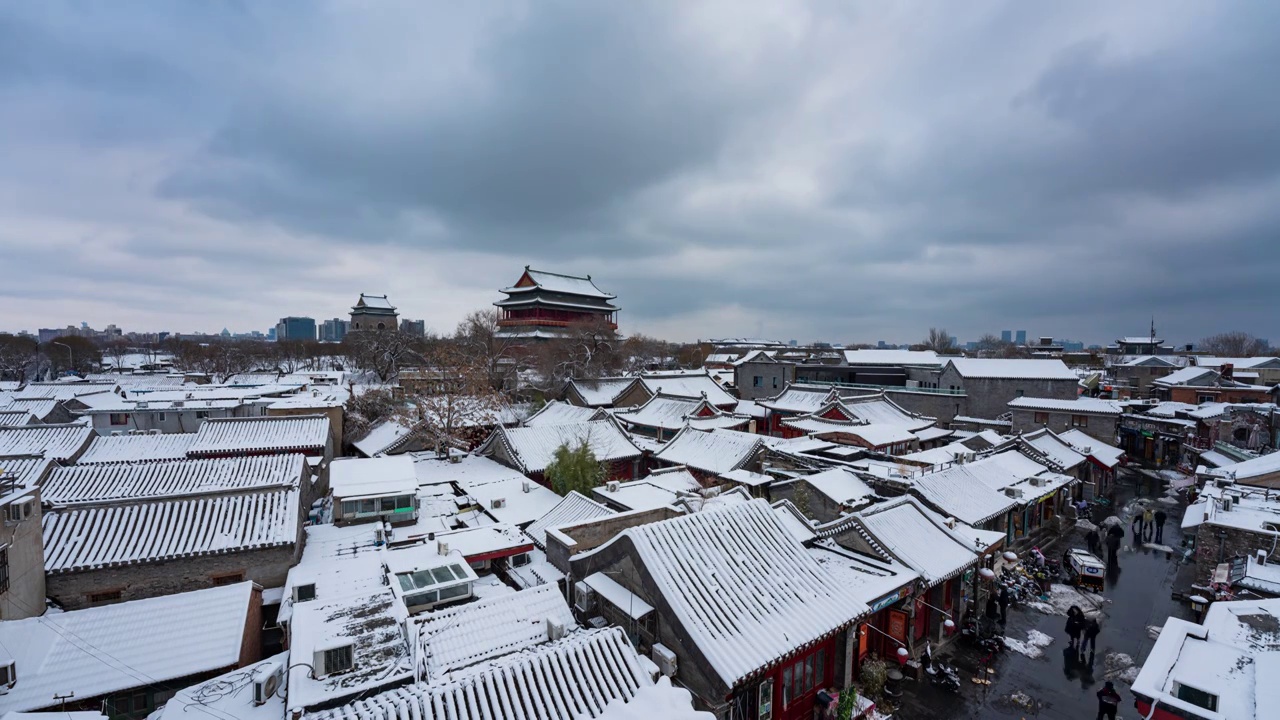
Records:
x=943, y=674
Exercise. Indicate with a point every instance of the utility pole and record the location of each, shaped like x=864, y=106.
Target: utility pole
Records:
x=68, y=696
x=71, y=358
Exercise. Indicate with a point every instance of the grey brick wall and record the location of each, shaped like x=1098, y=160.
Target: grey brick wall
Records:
x=1099, y=427
x=989, y=397
x=774, y=378
x=266, y=567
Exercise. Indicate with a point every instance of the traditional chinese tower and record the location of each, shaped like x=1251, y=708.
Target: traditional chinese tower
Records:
x=373, y=312
x=544, y=305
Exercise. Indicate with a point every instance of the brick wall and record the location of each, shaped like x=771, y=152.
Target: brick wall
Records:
x=25, y=596
x=1099, y=427
x=989, y=397
x=1212, y=549
x=267, y=567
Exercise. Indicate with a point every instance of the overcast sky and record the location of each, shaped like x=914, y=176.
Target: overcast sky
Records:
x=845, y=171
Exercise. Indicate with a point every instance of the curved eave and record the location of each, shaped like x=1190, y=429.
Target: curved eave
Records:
x=530, y=302
x=530, y=288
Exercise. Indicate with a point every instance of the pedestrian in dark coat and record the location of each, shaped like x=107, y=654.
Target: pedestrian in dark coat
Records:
x=1114, y=535
x=1136, y=528
x=1160, y=519
x=1075, y=624
x=1108, y=701
x=1091, y=630
x=993, y=612
x=1003, y=601
x=1095, y=542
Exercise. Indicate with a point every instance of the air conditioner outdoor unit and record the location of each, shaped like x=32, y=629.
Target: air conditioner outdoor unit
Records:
x=1226, y=503
x=612, y=486
x=116, y=433
x=9, y=673
x=303, y=593
x=443, y=547
x=1038, y=482
x=16, y=512
x=664, y=659
x=153, y=431
x=498, y=503
x=266, y=682
x=584, y=598
x=555, y=629
x=1013, y=492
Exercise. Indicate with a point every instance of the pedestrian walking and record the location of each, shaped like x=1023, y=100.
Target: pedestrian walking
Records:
x=1148, y=524
x=1003, y=601
x=1095, y=542
x=1160, y=519
x=1108, y=701
x=1136, y=528
x=1075, y=624
x=993, y=612
x=1091, y=630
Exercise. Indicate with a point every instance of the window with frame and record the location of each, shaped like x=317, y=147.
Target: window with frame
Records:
x=1205, y=399
x=757, y=381
x=227, y=578
x=160, y=417
x=202, y=414
x=105, y=596
x=803, y=677
x=118, y=418
x=520, y=560
x=1042, y=418
x=1198, y=697
x=1079, y=421
x=775, y=383
x=1017, y=393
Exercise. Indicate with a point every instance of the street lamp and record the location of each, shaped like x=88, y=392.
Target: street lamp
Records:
x=71, y=360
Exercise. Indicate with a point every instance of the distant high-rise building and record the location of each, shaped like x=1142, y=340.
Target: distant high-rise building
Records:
x=49, y=334
x=333, y=330
x=881, y=345
x=271, y=333
x=1006, y=336
x=416, y=328
x=296, y=328
x=1021, y=337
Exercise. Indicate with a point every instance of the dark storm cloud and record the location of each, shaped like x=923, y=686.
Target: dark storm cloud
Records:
x=811, y=171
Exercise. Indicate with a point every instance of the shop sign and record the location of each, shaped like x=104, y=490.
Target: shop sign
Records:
x=898, y=624
x=890, y=599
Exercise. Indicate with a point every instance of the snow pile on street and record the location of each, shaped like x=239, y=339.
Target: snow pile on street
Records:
x=1034, y=645
x=1120, y=666
x=1022, y=700
x=1161, y=548
x=1153, y=631
x=1176, y=479
x=1062, y=597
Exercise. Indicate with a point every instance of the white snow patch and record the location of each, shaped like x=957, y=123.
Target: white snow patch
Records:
x=1154, y=546
x=1153, y=631
x=661, y=699
x=1176, y=479
x=1034, y=645
x=1085, y=525
x=1167, y=501
x=1120, y=666
x=1062, y=597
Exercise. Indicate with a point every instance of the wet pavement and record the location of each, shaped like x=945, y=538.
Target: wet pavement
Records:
x=1059, y=683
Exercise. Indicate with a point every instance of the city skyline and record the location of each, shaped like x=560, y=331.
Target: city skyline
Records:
x=858, y=171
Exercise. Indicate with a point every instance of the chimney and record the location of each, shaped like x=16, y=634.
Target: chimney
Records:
x=1227, y=371
x=1262, y=557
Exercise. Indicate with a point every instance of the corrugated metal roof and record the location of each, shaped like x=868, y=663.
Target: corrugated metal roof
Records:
x=575, y=507
x=718, y=451
x=170, y=478
x=56, y=442
x=137, y=448
x=301, y=433
x=534, y=447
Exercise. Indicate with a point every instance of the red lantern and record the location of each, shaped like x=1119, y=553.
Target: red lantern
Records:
x=903, y=655
x=948, y=626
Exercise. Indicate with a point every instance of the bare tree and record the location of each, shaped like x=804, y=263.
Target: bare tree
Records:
x=18, y=357
x=366, y=409
x=481, y=336
x=116, y=351
x=589, y=349
x=939, y=341
x=1233, y=344
x=71, y=353
x=451, y=400
x=379, y=352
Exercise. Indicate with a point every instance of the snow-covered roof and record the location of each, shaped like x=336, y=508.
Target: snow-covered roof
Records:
x=1053, y=448
x=41, y=409
x=602, y=663
x=104, y=650
x=1234, y=655
x=295, y=433
x=372, y=477
x=656, y=490
x=573, y=508
x=1139, y=340
x=748, y=478
x=460, y=636
x=226, y=696
x=476, y=543
x=800, y=399
x=379, y=302
x=511, y=498
x=694, y=385
x=556, y=282
x=880, y=409
x=718, y=451
x=533, y=448
x=1082, y=405
x=55, y=442
x=62, y=390
x=956, y=492
x=1197, y=376
x=864, y=577
x=170, y=479
x=1149, y=361
x=141, y=447
x=745, y=592
x=29, y=470
x=82, y=538
x=386, y=437
x=1085, y=444
x=371, y=623
x=557, y=412
x=12, y=418
x=911, y=533
x=1012, y=369
x=841, y=487
x=1240, y=363
x=1257, y=468
x=892, y=357
x=601, y=391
